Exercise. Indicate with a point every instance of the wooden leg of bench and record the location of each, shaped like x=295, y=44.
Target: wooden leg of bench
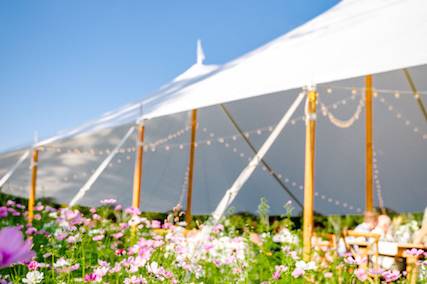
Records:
x=411, y=269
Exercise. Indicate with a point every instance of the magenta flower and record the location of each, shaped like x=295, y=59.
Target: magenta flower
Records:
x=13, y=248
x=3, y=212
x=33, y=265
x=91, y=277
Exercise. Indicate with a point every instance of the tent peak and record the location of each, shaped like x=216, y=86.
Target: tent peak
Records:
x=200, y=54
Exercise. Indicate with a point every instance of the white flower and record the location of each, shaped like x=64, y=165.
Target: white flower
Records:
x=108, y=201
x=285, y=236
x=153, y=267
x=61, y=262
x=305, y=266
x=33, y=277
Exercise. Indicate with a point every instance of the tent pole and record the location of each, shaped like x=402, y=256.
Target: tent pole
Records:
x=191, y=166
x=309, y=171
x=137, y=178
x=369, y=202
x=415, y=91
x=85, y=188
x=33, y=185
x=246, y=173
x=6, y=177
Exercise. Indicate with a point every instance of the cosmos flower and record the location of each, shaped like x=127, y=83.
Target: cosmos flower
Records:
x=92, y=277
x=13, y=248
x=3, y=212
x=278, y=271
x=361, y=274
x=33, y=277
x=414, y=252
x=33, y=265
x=109, y=201
x=391, y=276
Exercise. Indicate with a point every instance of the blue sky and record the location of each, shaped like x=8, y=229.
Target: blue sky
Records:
x=63, y=63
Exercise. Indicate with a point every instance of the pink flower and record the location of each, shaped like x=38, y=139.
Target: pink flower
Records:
x=118, y=207
x=167, y=226
x=217, y=228
x=278, y=272
x=3, y=212
x=208, y=246
x=124, y=226
x=20, y=206
x=391, y=276
x=328, y=274
x=297, y=272
x=30, y=231
x=120, y=252
x=60, y=236
x=118, y=235
x=414, y=252
x=135, y=280
x=39, y=207
x=361, y=274
x=92, y=277
x=96, y=217
x=358, y=260
x=98, y=238
x=132, y=211
x=33, y=265
x=155, y=224
x=13, y=248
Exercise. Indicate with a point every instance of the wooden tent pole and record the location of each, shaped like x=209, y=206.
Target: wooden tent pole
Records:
x=191, y=166
x=33, y=185
x=310, y=135
x=137, y=177
x=369, y=200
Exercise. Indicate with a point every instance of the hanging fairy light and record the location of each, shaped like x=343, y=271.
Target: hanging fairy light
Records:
x=342, y=123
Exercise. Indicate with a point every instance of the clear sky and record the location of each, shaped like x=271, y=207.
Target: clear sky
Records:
x=63, y=63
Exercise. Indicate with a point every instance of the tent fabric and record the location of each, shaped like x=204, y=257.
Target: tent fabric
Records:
x=354, y=38
x=400, y=137
x=329, y=51
x=132, y=112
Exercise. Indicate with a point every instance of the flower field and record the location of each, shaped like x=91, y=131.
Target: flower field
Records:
x=111, y=244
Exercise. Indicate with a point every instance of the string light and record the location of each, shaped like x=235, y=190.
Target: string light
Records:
x=294, y=184
x=259, y=131
x=342, y=123
x=399, y=116
x=377, y=181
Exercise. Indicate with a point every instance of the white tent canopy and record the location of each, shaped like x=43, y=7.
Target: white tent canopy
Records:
x=354, y=38
x=332, y=51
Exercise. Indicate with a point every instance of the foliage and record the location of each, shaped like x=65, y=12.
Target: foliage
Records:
x=111, y=244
